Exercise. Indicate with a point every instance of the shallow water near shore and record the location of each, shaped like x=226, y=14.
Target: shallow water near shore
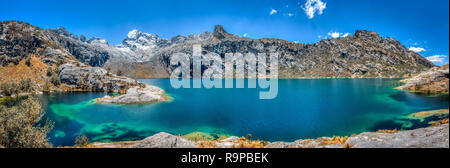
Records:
x=304, y=108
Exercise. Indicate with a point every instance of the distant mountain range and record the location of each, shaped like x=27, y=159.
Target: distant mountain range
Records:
x=144, y=55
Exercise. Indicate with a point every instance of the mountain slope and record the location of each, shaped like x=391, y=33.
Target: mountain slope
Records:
x=144, y=55
x=364, y=54
x=52, y=60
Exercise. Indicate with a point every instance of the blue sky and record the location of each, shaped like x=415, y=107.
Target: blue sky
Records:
x=420, y=25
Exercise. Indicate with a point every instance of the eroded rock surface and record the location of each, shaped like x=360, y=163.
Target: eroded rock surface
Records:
x=434, y=80
x=431, y=137
x=98, y=79
x=164, y=140
x=147, y=94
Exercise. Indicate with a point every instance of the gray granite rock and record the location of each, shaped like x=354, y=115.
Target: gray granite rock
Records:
x=431, y=137
x=147, y=94
x=94, y=79
x=164, y=140
x=434, y=80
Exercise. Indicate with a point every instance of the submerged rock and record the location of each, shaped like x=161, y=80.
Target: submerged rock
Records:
x=434, y=80
x=164, y=140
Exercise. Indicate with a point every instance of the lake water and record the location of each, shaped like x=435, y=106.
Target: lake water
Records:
x=304, y=108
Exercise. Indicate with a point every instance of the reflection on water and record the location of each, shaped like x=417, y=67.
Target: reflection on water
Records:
x=304, y=108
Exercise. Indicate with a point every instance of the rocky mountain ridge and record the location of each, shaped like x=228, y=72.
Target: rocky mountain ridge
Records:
x=143, y=55
x=364, y=54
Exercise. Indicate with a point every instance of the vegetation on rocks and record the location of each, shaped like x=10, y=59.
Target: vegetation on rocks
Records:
x=432, y=81
x=22, y=125
x=13, y=88
x=81, y=140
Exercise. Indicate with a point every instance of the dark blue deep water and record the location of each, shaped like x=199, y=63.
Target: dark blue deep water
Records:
x=304, y=108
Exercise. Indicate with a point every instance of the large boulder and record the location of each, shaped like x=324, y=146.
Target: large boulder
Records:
x=431, y=137
x=164, y=140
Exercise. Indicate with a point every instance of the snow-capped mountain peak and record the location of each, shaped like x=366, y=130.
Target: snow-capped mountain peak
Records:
x=137, y=40
x=133, y=33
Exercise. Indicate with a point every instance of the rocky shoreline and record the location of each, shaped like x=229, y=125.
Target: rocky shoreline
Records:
x=434, y=136
x=430, y=137
x=434, y=80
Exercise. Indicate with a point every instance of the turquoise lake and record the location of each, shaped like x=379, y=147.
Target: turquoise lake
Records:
x=304, y=108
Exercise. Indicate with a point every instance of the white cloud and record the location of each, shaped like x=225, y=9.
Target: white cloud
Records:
x=417, y=49
x=437, y=59
x=273, y=11
x=337, y=34
x=290, y=14
x=313, y=6
x=245, y=35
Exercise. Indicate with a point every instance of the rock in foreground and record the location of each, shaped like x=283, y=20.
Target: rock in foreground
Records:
x=164, y=140
x=435, y=80
x=431, y=137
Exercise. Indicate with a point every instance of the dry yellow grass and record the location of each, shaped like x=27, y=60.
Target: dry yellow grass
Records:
x=15, y=73
x=424, y=114
x=198, y=136
x=336, y=140
x=440, y=122
x=388, y=131
x=247, y=143
x=207, y=144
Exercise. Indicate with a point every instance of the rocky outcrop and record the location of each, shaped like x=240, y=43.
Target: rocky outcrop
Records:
x=94, y=79
x=164, y=140
x=146, y=94
x=70, y=58
x=434, y=80
x=97, y=79
x=431, y=137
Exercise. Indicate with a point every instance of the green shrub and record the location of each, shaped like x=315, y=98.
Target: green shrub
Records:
x=22, y=125
x=49, y=71
x=26, y=85
x=55, y=79
x=46, y=87
x=9, y=88
x=59, y=62
x=81, y=140
x=28, y=60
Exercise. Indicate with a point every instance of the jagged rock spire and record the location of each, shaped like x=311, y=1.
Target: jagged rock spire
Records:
x=220, y=33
